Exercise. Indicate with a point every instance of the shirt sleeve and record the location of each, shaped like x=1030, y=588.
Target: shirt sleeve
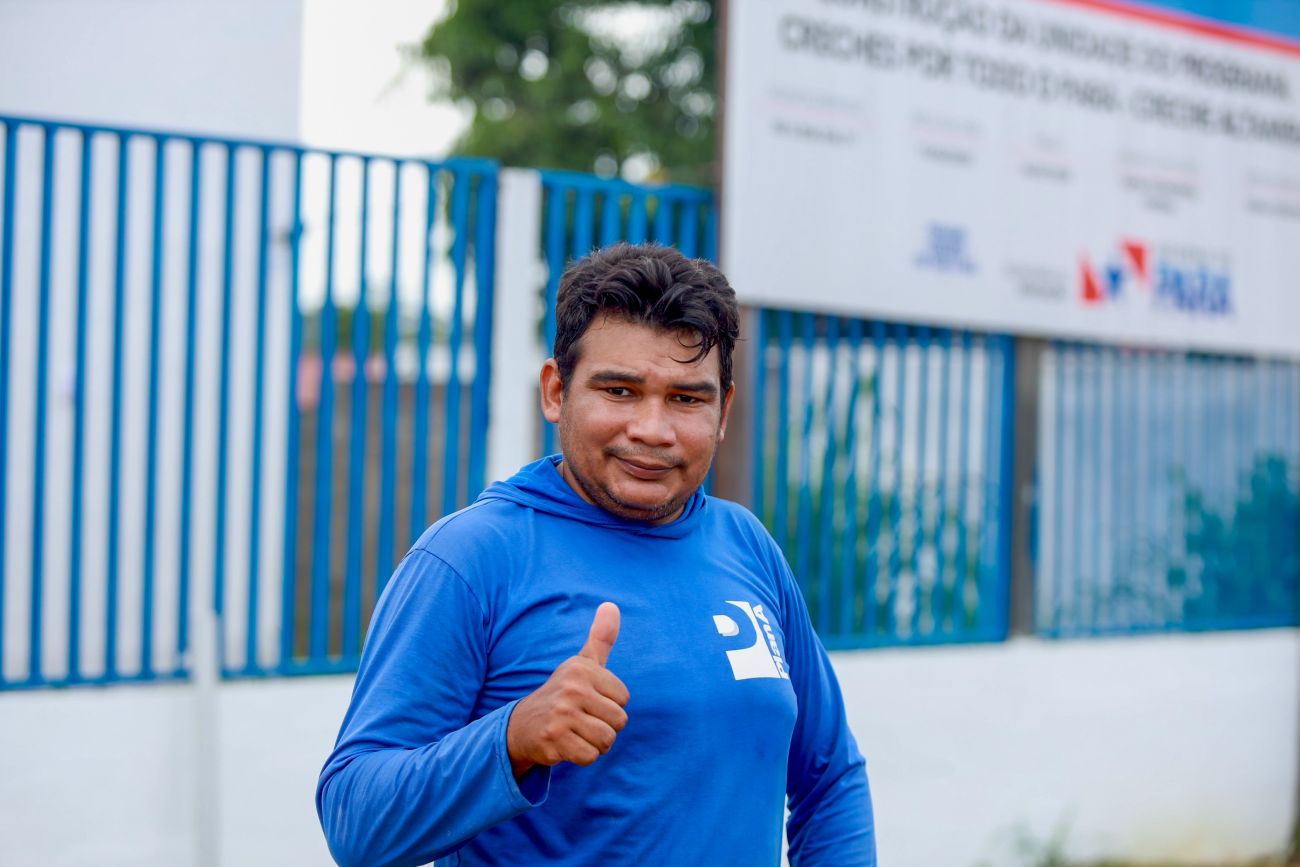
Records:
x=412, y=776
x=831, y=821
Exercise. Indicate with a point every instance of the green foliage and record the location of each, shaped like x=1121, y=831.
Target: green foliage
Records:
x=572, y=84
x=1250, y=562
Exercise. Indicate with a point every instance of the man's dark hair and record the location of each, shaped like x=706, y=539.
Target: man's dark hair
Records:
x=647, y=284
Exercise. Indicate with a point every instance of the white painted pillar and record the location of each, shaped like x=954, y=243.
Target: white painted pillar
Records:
x=517, y=355
x=206, y=676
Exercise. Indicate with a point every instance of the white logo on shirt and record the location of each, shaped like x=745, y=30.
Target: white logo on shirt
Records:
x=763, y=657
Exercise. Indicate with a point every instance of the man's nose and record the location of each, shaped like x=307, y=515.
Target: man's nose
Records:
x=652, y=424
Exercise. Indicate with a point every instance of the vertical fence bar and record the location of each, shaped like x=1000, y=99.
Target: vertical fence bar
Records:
x=1204, y=451
x=554, y=244
x=1141, y=442
x=781, y=492
x=1118, y=474
x=42, y=405
x=829, y=489
x=1127, y=599
x=76, y=494
x=636, y=217
x=223, y=402
x=259, y=379
x=803, y=518
x=938, y=593
x=1082, y=587
x=985, y=538
x=151, y=459
x=872, y=570
x=420, y=440
x=688, y=230
x=459, y=246
x=388, y=431
x=1197, y=409
x=1098, y=513
x=711, y=234
x=896, y=498
x=1058, y=487
x=583, y=205
x=849, y=543
x=289, y=553
x=6, y=307
x=554, y=249
x=964, y=485
x=759, y=443
x=663, y=226
x=1181, y=404
x=318, y=645
x=115, y=446
x=1006, y=450
x=484, y=265
x=918, y=489
x=609, y=216
x=357, y=434
x=187, y=436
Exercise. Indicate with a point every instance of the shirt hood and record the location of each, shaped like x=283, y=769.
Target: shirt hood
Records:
x=540, y=486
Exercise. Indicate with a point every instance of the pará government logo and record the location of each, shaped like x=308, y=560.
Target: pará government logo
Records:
x=760, y=659
x=1186, y=279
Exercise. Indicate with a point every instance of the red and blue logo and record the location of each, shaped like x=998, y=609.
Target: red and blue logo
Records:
x=1128, y=267
x=1182, y=278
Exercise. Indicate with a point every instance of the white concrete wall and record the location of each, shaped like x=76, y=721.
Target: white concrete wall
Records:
x=229, y=67
x=1180, y=747
x=1175, y=747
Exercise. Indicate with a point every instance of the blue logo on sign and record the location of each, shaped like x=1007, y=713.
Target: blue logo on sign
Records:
x=945, y=250
x=1195, y=288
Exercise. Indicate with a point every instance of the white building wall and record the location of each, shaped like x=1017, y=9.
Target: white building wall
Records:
x=327, y=73
x=226, y=67
x=1171, y=747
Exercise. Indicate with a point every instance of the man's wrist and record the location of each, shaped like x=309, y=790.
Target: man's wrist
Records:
x=518, y=764
x=520, y=767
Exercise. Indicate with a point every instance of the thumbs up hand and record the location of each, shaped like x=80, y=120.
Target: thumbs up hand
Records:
x=576, y=714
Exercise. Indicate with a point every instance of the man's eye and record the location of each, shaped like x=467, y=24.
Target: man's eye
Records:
x=688, y=399
x=617, y=391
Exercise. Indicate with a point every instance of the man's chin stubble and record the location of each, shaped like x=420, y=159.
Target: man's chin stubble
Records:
x=605, y=498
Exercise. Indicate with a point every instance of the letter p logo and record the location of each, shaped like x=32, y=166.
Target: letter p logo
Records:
x=757, y=660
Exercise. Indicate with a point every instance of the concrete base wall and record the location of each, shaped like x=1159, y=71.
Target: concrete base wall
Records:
x=1180, y=748
x=1172, y=747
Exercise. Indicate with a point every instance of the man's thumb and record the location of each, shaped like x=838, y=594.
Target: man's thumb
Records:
x=603, y=634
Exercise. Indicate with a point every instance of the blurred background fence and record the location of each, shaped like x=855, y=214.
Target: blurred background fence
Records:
x=243, y=375
x=219, y=357
x=881, y=464
x=1169, y=491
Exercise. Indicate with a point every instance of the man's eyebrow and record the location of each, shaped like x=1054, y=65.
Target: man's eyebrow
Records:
x=702, y=386
x=602, y=377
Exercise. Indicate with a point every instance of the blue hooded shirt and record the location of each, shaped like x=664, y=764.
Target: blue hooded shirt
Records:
x=734, y=709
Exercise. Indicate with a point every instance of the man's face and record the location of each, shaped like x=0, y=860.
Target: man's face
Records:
x=638, y=423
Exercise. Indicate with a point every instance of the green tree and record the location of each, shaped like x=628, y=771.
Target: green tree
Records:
x=616, y=88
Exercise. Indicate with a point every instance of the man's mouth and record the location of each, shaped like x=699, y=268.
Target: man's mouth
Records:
x=648, y=471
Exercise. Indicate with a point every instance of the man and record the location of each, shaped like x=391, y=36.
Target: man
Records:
x=699, y=698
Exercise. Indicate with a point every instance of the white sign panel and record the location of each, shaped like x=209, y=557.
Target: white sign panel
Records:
x=1059, y=167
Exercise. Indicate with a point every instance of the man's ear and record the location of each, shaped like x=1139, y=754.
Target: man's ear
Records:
x=726, y=410
x=552, y=391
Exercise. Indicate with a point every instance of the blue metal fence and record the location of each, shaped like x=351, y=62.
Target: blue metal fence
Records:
x=581, y=212
x=218, y=358
x=881, y=466
x=1169, y=492
x=185, y=335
